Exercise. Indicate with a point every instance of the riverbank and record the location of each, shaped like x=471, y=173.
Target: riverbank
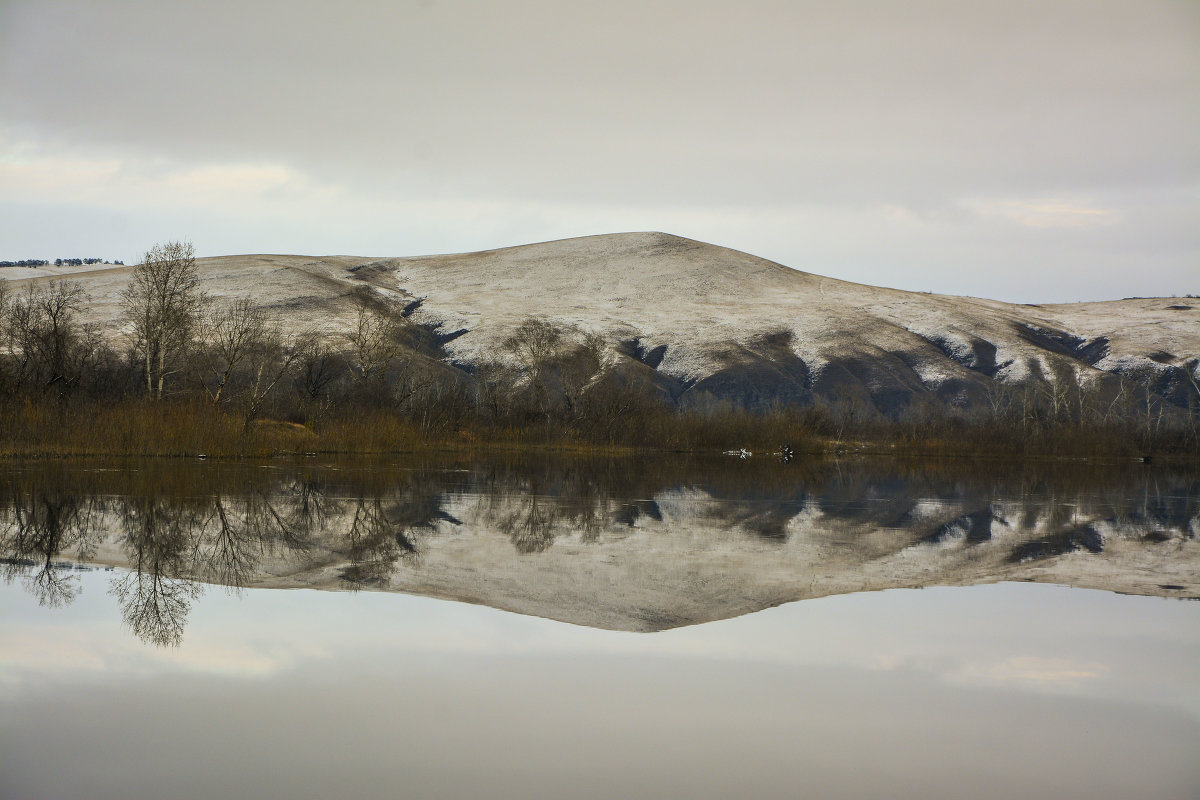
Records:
x=191, y=429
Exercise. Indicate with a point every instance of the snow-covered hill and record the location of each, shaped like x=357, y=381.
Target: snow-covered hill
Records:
x=712, y=324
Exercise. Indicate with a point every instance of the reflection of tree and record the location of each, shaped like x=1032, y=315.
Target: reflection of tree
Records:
x=221, y=539
x=155, y=605
x=309, y=508
x=375, y=543
x=38, y=526
x=155, y=599
x=584, y=504
x=239, y=526
x=384, y=528
x=231, y=552
x=548, y=505
x=531, y=525
x=242, y=530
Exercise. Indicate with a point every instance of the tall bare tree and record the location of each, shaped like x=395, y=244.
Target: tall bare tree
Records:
x=164, y=303
x=561, y=365
x=246, y=354
x=4, y=295
x=231, y=333
x=270, y=361
x=318, y=368
x=6, y=348
x=536, y=344
x=46, y=344
x=373, y=342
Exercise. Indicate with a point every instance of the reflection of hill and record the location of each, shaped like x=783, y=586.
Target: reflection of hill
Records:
x=636, y=545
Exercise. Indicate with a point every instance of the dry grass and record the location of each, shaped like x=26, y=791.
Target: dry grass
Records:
x=181, y=429
x=191, y=427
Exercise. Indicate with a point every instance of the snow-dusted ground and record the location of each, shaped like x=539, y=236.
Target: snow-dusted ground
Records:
x=711, y=307
x=51, y=271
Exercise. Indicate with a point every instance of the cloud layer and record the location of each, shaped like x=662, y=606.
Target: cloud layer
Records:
x=1027, y=151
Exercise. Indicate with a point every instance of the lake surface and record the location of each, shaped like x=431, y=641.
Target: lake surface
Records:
x=682, y=628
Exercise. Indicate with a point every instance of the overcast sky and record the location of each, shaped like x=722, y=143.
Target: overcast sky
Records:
x=1028, y=151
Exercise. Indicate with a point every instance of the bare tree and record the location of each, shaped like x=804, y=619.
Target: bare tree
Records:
x=1145, y=377
x=494, y=384
x=231, y=333
x=46, y=343
x=582, y=369
x=246, y=354
x=163, y=302
x=1192, y=369
x=318, y=367
x=19, y=325
x=561, y=365
x=373, y=342
x=4, y=302
x=271, y=359
x=536, y=345
x=6, y=346
x=1056, y=389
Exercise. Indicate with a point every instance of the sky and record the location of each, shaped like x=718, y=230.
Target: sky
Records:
x=1044, y=151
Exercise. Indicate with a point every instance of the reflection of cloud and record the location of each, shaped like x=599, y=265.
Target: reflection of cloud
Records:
x=1049, y=674
x=31, y=653
x=29, y=656
x=1045, y=212
x=237, y=660
x=1020, y=672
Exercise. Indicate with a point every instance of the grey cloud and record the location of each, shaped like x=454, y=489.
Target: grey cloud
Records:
x=675, y=105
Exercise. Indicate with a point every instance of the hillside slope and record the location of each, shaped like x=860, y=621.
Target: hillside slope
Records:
x=712, y=325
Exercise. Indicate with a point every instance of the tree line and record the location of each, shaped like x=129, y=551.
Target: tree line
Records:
x=59, y=262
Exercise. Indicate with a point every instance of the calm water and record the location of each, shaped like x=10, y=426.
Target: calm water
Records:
x=192, y=629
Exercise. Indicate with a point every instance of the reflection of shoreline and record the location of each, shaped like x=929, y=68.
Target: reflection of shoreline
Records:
x=595, y=547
